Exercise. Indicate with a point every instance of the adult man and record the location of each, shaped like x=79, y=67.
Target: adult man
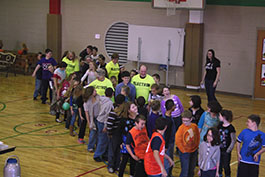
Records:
x=101, y=83
x=143, y=83
x=125, y=76
x=253, y=146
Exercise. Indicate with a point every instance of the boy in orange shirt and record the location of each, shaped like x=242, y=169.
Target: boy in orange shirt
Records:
x=138, y=139
x=187, y=140
x=155, y=152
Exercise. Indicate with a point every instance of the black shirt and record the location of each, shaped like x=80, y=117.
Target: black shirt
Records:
x=156, y=143
x=225, y=135
x=197, y=115
x=210, y=67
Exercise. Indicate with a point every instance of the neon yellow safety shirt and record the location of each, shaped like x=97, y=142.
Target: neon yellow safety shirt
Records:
x=72, y=66
x=143, y=86
x=101, y=86
x=113, y=69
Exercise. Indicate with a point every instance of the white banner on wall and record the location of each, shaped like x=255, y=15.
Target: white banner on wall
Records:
x=154, y=44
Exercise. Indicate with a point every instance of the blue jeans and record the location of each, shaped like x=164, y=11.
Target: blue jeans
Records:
x=92, y=139
x=188, y=163
x=74, y=117
x=155, y=175
x=37, y=88
x=102, y=140
x=169, y=152
x=210, y=90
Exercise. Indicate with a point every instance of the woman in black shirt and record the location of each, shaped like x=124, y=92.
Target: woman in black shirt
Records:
x=211, y=74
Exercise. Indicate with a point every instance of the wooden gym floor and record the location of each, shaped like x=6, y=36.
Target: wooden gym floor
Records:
x=45, y=148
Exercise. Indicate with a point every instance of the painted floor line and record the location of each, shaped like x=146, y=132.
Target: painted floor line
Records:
x=92, y=170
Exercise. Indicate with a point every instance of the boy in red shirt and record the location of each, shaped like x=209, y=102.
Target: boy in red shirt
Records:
x=155, y=153
x=138, y=139
x=187, y=140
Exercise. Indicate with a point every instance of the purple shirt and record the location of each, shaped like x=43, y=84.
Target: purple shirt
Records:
x=179, y=108
x=44, y=63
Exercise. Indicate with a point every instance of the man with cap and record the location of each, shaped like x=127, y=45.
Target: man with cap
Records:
x=101, y=83
x=143, y=83
x=113, y=67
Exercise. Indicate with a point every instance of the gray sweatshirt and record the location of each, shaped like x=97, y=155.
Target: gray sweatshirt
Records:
x=209, y=156
x=93, y=110
x=105, y=106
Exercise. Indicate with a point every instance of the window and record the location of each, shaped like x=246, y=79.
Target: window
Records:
x=116, y=41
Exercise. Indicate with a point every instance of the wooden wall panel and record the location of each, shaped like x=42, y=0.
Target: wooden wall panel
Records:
x=54, y=35
x=193, y=54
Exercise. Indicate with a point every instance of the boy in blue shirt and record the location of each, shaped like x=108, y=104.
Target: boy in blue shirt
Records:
x=45, y=62
x=252, y=148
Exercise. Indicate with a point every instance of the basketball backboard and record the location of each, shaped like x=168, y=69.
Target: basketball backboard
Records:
x=179, y=4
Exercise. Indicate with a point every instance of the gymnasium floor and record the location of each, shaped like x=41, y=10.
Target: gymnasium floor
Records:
x=45, y=148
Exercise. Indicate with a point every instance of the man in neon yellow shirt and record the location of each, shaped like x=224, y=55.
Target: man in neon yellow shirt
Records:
x=143, y=83
x=113, y=67
x=101, y=83
x=72, y=63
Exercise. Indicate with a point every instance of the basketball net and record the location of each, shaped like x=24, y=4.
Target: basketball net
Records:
x=171, y=7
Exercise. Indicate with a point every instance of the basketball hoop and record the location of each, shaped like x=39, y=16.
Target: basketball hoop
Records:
x=171, y=7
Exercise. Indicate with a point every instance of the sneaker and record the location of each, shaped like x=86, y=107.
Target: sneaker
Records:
x=34, y=98
x=111, y=170
x=97, y=159
x=58, y=121
x=43, y=102
x=80, y=141
x=90, y=150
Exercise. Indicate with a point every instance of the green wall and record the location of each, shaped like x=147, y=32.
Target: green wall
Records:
x=222, y=2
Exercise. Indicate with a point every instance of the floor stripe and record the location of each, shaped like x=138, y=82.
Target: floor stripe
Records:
x=92, y=170
x=4, y=106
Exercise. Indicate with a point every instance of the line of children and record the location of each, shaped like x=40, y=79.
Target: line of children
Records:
x=94, y=111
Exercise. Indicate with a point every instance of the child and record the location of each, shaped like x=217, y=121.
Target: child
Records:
x=176, y=114
x=91, y=107
x=228, y=140
x=156, y=77
x=155, y=152
x=138, y=139
x=187, y=140
x=209, y=154
x=169, y=134
x=253, y=146
x=140, y=102
x=155, y=106
x=127, y=123
x=37, y=90
x=133, y=73
x=125, y=90
x=58, y=76
x=101, y=123
x=83, y=121
x=114, y=134
x=154, y=93
x=195, y=109
x=77, y=92
x=209, y=118
x=46, y=74
x=114, y=81
x=94, y=55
